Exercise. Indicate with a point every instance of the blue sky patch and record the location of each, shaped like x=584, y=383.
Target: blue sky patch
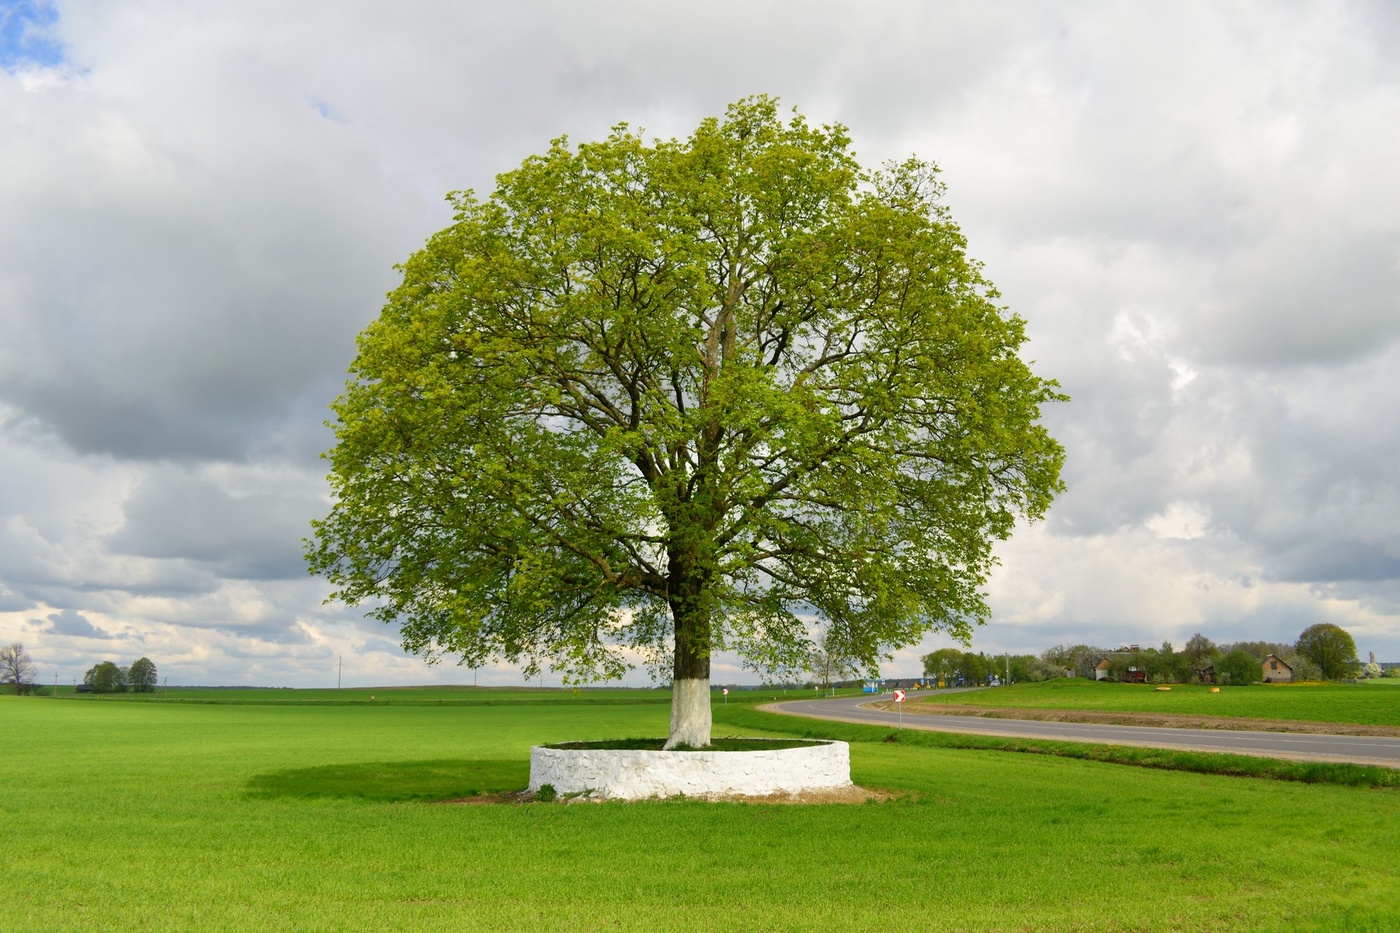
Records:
x=26, y=35
x=326, y=111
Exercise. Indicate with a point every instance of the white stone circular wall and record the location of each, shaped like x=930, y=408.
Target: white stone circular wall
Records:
x=635, y=775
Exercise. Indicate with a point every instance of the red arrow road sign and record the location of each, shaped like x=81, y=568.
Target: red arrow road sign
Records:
x=899, y=696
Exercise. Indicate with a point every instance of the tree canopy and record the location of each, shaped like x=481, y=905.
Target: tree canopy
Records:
x=142, y=675
x=683, y=397
x=1239, y=667
x=826, y=663
x=106, y=677
x=1200, y=651
x=1331, y=648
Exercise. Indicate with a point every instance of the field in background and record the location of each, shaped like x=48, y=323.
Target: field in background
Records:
x=1368, y=703
x=428, y=696
x=391, y=696
x=273, y=816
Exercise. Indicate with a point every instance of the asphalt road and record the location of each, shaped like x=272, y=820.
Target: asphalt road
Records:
x=1367, y=750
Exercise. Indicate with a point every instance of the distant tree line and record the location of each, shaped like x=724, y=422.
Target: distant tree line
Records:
x=17, y=671
x=1322, y=652
x=953, y=666
x=108, y=677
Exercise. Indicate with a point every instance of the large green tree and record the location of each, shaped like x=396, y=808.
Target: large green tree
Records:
x=1331, y=648
x=677, y=397
x=142, y=675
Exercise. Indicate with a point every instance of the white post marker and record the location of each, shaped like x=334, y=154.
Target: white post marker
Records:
x=899, y=699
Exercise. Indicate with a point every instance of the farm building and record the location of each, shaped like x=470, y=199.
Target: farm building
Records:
x=1104, y=669
x=1276, y=670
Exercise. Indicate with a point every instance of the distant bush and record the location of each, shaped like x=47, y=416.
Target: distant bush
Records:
x=1303, y=669
x=1238, y=668
x=1039, y=670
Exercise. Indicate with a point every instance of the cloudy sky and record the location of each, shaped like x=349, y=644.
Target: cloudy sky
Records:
x=1196, y=206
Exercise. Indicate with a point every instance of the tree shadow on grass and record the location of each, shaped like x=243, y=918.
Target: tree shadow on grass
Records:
x=391, y=781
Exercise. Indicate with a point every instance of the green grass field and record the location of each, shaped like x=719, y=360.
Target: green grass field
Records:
x=276, y=816
x=1370, y=703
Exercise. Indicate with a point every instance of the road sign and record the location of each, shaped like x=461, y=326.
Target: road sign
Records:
x=899, y=696
x=726, y=691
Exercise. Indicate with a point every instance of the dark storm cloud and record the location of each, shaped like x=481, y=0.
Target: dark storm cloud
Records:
x=174, y=515
x=1329, y=296
x=162, y=335
x=14, y=602
x=257, y=643
x=73, y=624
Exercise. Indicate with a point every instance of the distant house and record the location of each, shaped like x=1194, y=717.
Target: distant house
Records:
x=1104, y=669
x=1277, y=670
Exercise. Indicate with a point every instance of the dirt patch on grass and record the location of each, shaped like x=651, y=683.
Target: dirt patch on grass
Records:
x=850, y=794
x=1160, y=720
x=481, y=800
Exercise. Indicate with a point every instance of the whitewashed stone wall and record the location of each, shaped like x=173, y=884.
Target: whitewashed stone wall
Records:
x=634, y=775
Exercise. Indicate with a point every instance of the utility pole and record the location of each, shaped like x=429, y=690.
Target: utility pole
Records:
x=337, y=671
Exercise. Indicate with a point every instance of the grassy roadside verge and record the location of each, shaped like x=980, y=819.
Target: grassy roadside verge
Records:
x=1159, y=720
x=1275, y=769
x=1374, y=703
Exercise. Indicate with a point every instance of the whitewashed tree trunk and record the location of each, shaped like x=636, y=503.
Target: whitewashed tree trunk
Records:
x=690, y=713
x=690, y=663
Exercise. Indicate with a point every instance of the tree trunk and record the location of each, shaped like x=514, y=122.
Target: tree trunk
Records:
x=690, y=678
x=690, y=712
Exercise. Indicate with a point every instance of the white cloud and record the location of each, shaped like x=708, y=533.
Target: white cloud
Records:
x=1185, y=520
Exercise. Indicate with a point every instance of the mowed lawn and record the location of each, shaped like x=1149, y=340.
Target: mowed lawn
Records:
x=170, y=816
x=1368, y=703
